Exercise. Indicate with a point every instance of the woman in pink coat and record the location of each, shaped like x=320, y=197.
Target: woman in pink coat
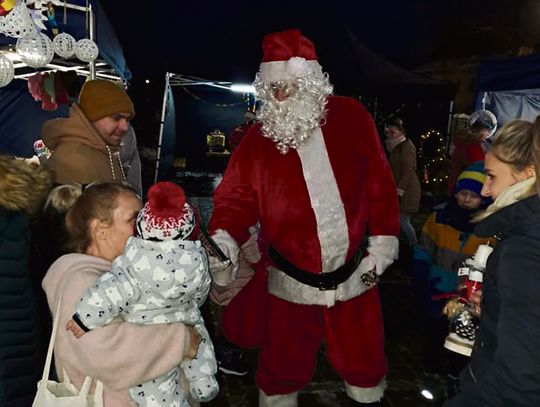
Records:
x=121, y=354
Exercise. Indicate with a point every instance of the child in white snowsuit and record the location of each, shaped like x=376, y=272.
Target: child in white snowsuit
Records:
x=162, y=277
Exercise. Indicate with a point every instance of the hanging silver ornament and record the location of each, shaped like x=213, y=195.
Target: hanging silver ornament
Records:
x=64, y=45
x=35, y=50
x=86, y=50
x=6, y=70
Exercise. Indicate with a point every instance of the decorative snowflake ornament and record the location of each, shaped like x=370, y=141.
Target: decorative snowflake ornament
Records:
x=35, y=50
x=6, y=70
x=64, y=45
x=86, y=50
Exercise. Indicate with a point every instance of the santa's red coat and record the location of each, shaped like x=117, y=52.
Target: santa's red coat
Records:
x=261, y=184
x=306, y=222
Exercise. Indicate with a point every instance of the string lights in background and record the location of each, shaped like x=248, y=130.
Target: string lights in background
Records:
x=434, y=169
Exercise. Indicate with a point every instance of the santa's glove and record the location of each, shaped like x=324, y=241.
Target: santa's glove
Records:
x=224, y=272
x=383, y=250
x=250, y=249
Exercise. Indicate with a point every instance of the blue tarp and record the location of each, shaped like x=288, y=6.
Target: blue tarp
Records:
x=513, y=104
x=21, y=119
x=509, y=74
x=109, y=46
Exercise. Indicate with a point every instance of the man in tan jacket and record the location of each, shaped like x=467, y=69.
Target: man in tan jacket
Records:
x=403, y=163
x=85, y=146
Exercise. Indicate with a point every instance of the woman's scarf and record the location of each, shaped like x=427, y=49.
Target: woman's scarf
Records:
x=512, y=194
x=392, y=143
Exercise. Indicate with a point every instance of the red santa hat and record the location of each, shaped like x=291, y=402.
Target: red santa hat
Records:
x=166, y=215
x=288, y=55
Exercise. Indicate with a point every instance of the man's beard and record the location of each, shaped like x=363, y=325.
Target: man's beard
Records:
x=291, y=122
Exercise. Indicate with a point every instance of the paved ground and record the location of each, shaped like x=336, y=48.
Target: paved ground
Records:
x=403, y=342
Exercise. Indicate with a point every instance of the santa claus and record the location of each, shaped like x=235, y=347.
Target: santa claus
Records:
x=313, y=174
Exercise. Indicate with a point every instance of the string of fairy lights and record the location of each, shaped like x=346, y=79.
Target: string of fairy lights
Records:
x=248, y=100
x=437, y=162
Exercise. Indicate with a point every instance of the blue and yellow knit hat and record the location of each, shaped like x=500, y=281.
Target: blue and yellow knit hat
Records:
x=472, y=178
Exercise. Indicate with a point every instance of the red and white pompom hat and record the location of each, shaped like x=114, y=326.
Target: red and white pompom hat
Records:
x=288, y=55
x=166, y=215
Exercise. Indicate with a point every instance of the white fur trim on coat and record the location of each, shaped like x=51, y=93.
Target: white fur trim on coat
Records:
x=327, y=206
x=384, y=250
x=326, y=203
x=278, y=400
x=294, y=68
x=289, y=289
x=366, y=394
x=332, y=233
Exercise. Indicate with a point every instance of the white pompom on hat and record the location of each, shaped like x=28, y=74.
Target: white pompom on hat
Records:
x=166, y=215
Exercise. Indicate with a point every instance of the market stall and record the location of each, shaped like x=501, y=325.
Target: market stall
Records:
x=44, y=47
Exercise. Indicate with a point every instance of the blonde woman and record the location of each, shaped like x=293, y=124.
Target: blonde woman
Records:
x=505, y=365
x=121, y=354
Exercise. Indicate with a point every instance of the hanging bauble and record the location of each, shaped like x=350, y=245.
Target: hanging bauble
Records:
x=35, y=50
x=6, y=70
x=86, y=50
x=64, y=45
x=18, y=22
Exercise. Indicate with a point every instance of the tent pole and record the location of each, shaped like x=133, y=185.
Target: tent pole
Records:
x=61, y=3
x=449, y=127
x=92, y=35
x=162, y=124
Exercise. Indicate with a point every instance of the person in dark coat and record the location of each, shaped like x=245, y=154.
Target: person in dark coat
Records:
x=23, y=187
x=505, y=364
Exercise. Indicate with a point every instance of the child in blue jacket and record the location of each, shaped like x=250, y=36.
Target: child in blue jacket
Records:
x=446, y=240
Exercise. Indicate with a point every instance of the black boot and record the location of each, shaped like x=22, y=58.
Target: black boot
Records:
x=452, y=386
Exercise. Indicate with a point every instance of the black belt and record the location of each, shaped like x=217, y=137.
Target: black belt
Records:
x=322, y=281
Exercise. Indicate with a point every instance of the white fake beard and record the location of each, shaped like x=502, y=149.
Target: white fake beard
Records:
x=291, y=122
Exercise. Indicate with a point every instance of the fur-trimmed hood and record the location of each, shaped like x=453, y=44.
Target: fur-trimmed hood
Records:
x=23, y=185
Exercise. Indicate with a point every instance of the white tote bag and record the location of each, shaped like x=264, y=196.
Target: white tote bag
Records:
x=64, y=394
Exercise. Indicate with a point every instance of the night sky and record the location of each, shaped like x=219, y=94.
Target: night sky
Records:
x=222, y=40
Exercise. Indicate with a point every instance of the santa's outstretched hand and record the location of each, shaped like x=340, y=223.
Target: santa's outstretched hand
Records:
x=224, y=272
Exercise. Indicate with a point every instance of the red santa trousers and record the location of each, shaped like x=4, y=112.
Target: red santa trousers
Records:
x=353, y=332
